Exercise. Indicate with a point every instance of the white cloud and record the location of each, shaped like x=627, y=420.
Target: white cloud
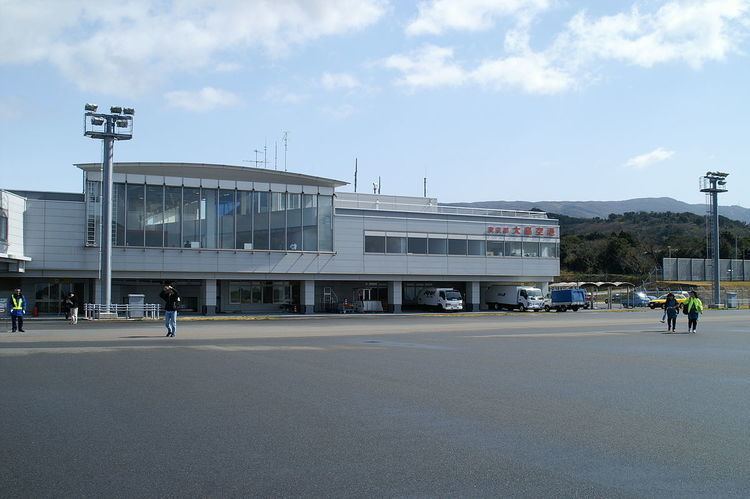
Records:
x=334, y=81
x=680, y=31
x=437, y=16
x=125, y=47
x=645, y=160
x=282, y=96
x=206, y=99
x=429, y=66
x=531, y=73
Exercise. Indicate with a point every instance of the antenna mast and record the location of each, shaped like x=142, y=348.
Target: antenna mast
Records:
x=425, y=187
x=355, y=174
x=286, y=138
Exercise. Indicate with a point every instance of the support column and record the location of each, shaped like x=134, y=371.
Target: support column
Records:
x=395, y=299
x=544, y=287
x=472, y=302
x=307, y=294
x=209, y=297
x=97, y=298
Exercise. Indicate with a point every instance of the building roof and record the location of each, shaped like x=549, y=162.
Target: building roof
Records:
x=219, y=172
x=48, y=195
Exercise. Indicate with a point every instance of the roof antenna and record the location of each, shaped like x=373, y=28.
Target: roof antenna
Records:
x=355, y=174
x=286, y=138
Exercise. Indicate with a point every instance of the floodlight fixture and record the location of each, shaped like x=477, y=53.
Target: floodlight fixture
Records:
x=97, y=121
x=115, y=110
x=91, y=107
x=128, y=111
x=122, y=123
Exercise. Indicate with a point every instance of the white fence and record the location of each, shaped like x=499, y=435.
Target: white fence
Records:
x=94, y=311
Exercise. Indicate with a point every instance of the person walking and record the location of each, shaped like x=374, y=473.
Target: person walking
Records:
x=671, y=309
x=71, y=301
x=693, y=307
x=17, y=309
x=171, y=303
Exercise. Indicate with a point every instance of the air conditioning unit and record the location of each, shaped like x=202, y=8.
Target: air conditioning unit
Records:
x=248, y=246
x=195, y=244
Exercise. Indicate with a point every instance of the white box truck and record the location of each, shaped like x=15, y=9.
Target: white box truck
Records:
x=522, y=298
x=441, y=298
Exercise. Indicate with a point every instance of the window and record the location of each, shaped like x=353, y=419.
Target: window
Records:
x=456, y=246
x=261, y=206
x=278, y=220
x=244, y=218
x=325, y=223
x=154, y=216
x=374, y=243
x=514, y=248
x=118, y=214
x=173, y=217
x=134, y=219
x=477, y=247
x=417, y=244
x=226, y=218
x=209, y=219
x=395, y=244
x=531, y=249
x=495, y=248
x=548, y=250
x=191, y=205
x=437, y=245
x=3, y=227
x=310, y=222
x=294, y=222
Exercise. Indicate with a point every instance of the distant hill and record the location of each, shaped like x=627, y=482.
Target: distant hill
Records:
x=602, y=209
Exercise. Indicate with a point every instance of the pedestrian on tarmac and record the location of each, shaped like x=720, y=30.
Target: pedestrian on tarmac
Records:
x=171, y=303
x=71, y=302
x=671, y=309
x=16, y=307
x=693, y=307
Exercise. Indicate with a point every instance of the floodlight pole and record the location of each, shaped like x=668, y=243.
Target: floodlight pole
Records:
x=106, y=243
x=714, y=183
x=118, y=125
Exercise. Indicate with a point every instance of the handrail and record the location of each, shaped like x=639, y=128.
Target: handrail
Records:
x=94, y=311
x=435, y=208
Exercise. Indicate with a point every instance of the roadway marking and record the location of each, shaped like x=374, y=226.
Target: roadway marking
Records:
x=549, y=335
x=19, y=352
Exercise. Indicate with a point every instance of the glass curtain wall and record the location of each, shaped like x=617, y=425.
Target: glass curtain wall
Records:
x=208, y=218
x=172, y=217
x=244, y=220
x=278, y=220
x=154, y=216
x=191, y=207
x=261, y=210
x=158, y=216
x=135, y=212
x=294, y=222
x=118, y=213
x=325, y=223
x=310, y=222
x=227, y=208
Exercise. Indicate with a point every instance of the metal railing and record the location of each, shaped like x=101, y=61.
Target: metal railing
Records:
x=94, y=311
x=435, y=208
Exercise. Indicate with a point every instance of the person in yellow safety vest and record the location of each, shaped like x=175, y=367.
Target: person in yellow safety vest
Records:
x=17, y=309
x=693, y=307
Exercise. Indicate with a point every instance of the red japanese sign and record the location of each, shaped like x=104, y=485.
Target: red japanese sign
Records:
x=523, y=230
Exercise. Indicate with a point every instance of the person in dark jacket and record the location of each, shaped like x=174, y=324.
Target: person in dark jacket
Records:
x=671, y=309
x=71, y=303
x=16, y=307
x=171, y=303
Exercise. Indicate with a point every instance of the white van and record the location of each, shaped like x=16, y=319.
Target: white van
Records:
x=514, y=297
x=442, y=298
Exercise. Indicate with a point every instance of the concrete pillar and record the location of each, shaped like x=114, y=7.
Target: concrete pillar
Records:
x=307, y=293
x=472, y=301
x=544, y=286
x=209, y=296
x=97, y=298
x=395, y=299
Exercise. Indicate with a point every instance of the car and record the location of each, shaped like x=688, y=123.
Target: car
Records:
x=659, y=302
x=635, y=300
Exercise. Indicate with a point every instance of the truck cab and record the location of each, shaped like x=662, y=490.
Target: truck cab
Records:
x=447, y=299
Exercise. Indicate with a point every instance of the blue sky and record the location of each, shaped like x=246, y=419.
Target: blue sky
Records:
x=490, y=99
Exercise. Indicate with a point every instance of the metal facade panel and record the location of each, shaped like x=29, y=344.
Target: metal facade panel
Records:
x=154, y=180
x=173, y=181
x=210, y=183
x=227, y=184
x=277, y=187
x=244, y=186
x=133, y=178
x=294, y=188
x=262, y=186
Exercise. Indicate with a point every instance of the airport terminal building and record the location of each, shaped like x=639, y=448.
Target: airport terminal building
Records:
x=236, y=239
